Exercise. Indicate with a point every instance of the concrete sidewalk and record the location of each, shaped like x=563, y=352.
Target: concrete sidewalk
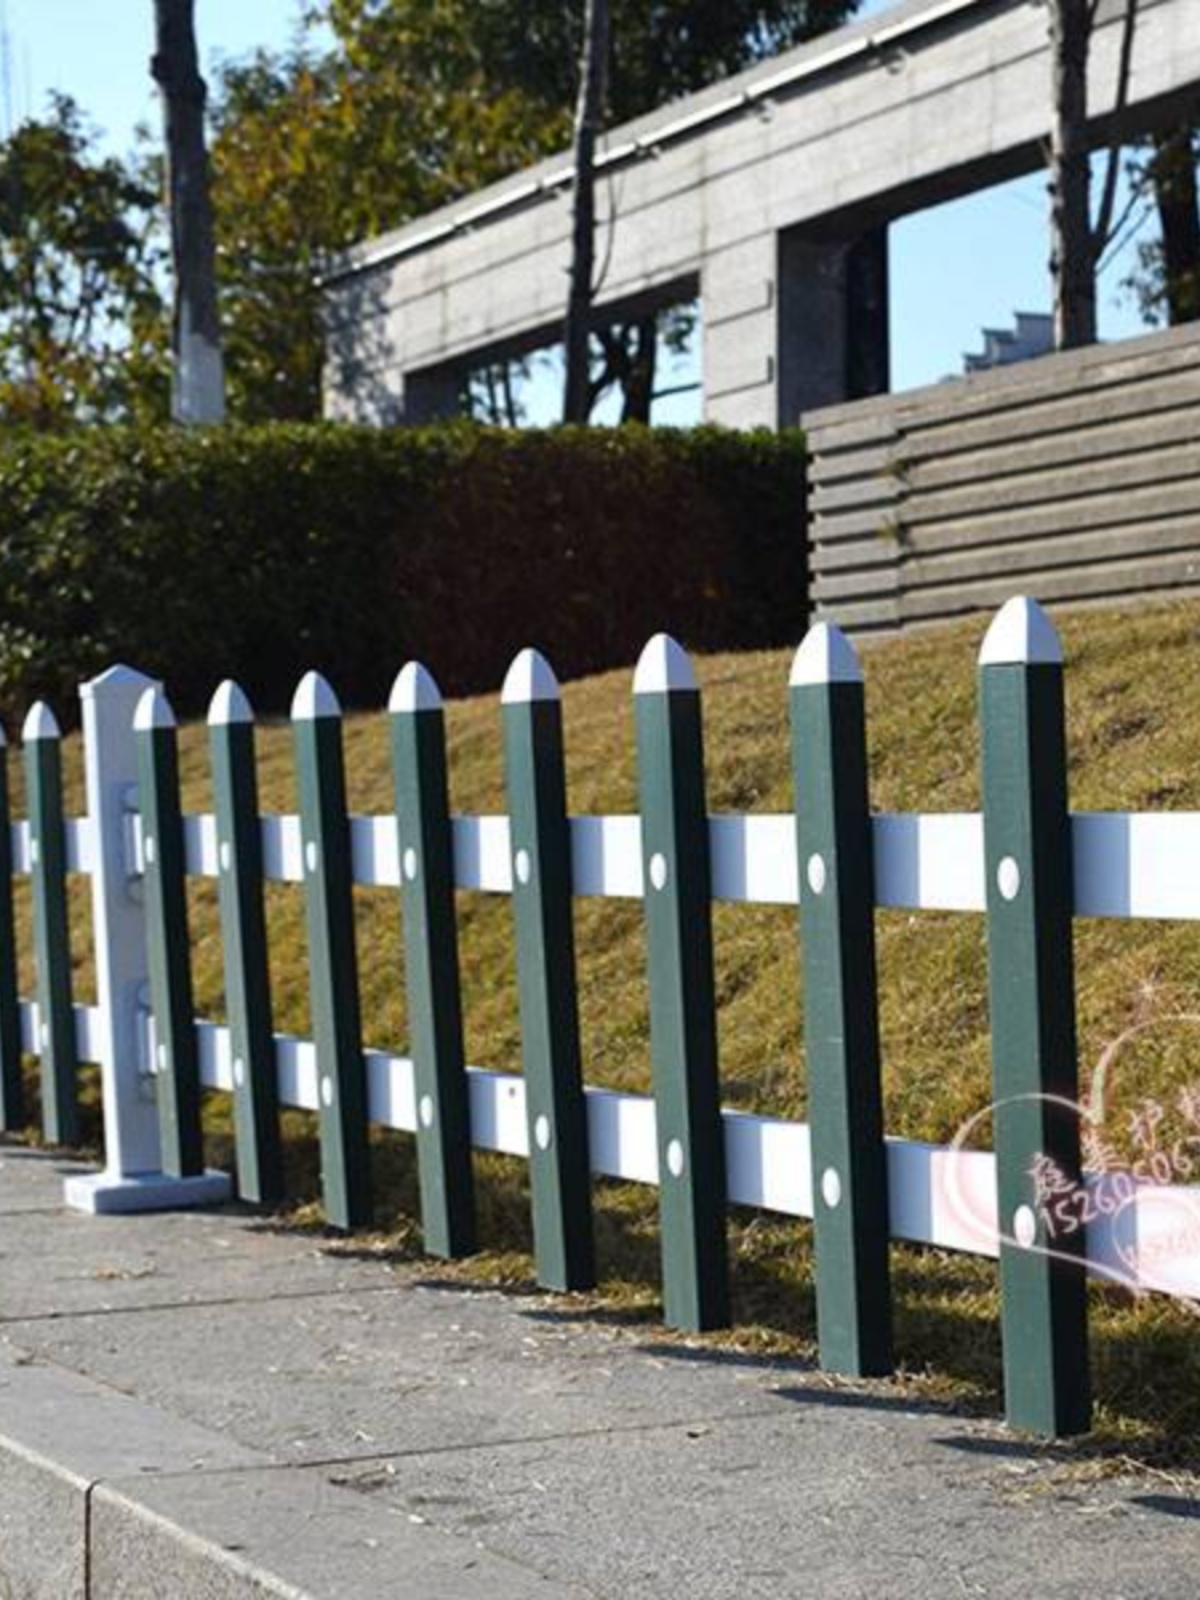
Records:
x=199, y=1405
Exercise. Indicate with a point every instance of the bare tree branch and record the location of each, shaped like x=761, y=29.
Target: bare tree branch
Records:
x=1101, y=230
x=1133, y=215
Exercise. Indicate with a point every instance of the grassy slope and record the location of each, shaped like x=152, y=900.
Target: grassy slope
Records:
x=1134, y=722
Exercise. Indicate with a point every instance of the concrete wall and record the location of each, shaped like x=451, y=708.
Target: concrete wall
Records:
x=1072, y=478
x=772, y=191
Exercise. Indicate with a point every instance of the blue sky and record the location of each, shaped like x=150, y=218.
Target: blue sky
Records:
x=99, y=51
x=954, y=270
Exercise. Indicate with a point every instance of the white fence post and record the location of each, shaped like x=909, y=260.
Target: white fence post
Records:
x=132, y=1179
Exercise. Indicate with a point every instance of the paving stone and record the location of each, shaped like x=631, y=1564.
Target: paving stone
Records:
x=208, y=1407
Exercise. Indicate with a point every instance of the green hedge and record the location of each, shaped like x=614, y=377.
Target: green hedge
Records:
x=257, y=553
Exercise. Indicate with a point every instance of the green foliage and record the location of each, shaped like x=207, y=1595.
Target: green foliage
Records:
x=80, y=316
x=275, y=208
x=661, y=49
x=314, y=151
x=260, y=552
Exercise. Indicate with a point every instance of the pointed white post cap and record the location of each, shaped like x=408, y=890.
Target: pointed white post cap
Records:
x=825, y=655
x=40, y=723
x=314, y=699
x=531, y=677
x=118, y=676
x=1021, y=633
x=153, y=711
x=663, y=667
x=229, y=705
x=415, y=689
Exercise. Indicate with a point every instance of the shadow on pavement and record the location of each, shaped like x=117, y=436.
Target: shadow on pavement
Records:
x=1171, y=1505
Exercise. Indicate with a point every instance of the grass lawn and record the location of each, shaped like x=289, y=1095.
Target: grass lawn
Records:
x=1133, y=690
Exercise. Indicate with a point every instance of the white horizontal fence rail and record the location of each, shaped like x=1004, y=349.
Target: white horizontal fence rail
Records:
x=1126, y=864
x=87, y=1030
x=937, y=1195
x=78, y=837
x=676, y=858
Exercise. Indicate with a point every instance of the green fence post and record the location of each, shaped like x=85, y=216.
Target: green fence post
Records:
x=168, y=942
x=555, y=1107
x=12, y=1091
x=1027, y=839
x=51, y=936
x=683, y=1027
x=841, y=1025
x=244, y=946
x=431, y=964
x=333, y=965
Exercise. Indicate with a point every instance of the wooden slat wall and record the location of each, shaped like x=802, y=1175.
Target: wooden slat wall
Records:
x=1071, y=478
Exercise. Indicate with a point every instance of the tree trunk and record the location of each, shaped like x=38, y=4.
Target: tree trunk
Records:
x=512, y=415
x=638, y=382
x=198, y=378
x=1173, y=173
x=1072, y=247
x=588, y=115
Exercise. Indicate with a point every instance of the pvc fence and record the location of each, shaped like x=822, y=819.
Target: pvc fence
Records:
x=1026, y=863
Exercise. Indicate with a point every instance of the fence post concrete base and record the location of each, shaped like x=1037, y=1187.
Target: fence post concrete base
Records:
x=132, y=1179
x=107, y=1193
